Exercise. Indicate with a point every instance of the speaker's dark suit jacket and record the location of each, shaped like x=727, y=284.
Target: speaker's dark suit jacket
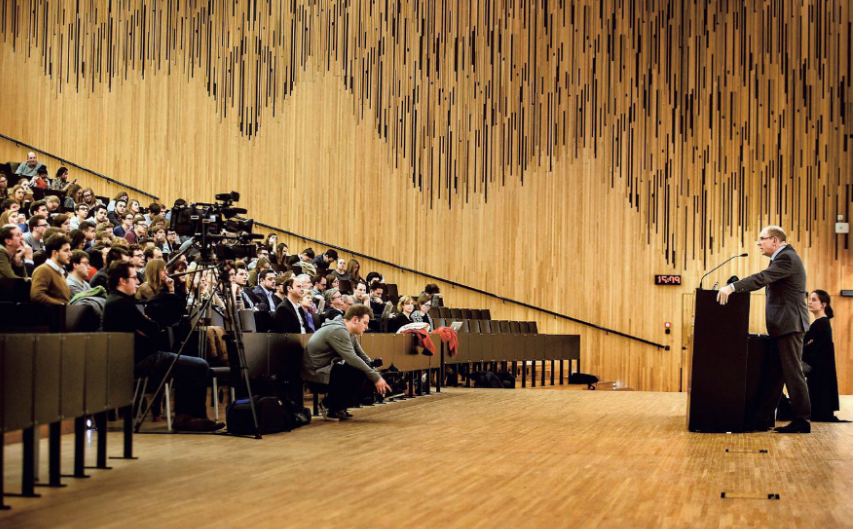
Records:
x=286, y=320
x=785, y=279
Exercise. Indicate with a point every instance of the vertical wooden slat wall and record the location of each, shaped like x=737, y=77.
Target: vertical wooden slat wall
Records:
x=558, y=153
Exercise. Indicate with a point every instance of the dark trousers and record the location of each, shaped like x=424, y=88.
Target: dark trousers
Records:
x=785, y=366
x=190, y=374
x=345, y=382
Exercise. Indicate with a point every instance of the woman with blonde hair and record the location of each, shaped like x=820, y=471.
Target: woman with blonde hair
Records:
x=157, y=281
x=18, y=194
x=405, y=307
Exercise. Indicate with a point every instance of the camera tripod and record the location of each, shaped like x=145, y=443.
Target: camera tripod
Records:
x=233, y=331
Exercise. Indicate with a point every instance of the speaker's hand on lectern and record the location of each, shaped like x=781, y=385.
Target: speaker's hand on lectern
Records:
x=724, y=293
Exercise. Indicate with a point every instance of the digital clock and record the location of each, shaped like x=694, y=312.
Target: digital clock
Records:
x=667, y=280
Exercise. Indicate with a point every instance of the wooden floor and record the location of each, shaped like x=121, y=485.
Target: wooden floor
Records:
x=468, y=458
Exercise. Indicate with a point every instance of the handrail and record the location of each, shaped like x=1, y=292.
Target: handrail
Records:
x=78, y=166
x=470, y=288
x=382, y=261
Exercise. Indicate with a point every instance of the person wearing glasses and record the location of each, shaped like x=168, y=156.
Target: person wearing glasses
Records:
x=89, y=198
x=787, y=322
x=35, y=236
x=81, y=213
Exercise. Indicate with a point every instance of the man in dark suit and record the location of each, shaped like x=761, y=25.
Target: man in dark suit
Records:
x=289, y=316
x=265, y=292
x=787, y=322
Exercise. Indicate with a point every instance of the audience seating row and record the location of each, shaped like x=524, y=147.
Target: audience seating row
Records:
x=48, y=378
x=485, y=343
x=460, y=314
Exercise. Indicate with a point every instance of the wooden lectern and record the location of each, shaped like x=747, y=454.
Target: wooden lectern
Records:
x=726, y=365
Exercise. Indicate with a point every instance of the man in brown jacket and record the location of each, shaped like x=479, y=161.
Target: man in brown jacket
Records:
x=13, y=252
x=49, y=286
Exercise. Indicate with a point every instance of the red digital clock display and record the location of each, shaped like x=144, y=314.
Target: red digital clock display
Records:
x=667, y=280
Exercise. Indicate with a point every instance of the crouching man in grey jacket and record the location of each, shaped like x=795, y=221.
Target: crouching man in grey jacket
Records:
x=334, y=357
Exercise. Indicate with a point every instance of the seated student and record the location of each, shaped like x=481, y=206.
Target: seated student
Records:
x=77, y=278
x=61, y=221
x=77, y=239
x=122, y=196
x=72, y=196
x=157, y=281
x=374, y=277
x=98, y=216
x=304, y=259
x=360, y=294
x=35, y=236
x=405, y=307
x=341, y=271
x=125, y=226
x=265, y=292
x=40, y=180
x=117, y=214
x=422, y=312
x=432, y=292
x=81, y=213
x=321, y=262
x=39, y=207
x=61, y=183
x=321, y=362
x=13, y=253
x=30, y=167
x=139, y=230
x=289, y=317
x=49, y=286
x=100, y=279
x=153, y=211
x=244, y=297
x=52, y=202
x=334, y=304
x=191, y=374
x=375, y=299
x=307, y=304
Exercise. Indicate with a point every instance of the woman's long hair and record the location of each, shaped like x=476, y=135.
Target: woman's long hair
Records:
x=153, y=270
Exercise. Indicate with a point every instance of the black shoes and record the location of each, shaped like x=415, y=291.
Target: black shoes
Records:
x=759, y=426
x=339, y=415
x=796, y=426
x=187, y=423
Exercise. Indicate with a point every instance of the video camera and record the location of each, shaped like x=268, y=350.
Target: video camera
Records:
x=214, y=227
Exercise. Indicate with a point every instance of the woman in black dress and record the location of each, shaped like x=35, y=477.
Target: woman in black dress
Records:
x=819, y=360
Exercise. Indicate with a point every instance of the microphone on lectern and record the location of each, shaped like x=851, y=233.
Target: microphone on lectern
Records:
x=744, y=254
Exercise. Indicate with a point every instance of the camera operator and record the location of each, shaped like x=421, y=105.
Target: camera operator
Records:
x=333, y=356
x=191, y=374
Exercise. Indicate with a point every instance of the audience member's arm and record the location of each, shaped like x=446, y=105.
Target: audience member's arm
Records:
x=360, y=352
x=343, y=345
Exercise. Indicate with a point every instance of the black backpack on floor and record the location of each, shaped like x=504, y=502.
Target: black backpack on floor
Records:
x=273, y=416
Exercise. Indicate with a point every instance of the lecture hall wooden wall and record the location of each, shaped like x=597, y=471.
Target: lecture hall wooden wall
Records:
x=555, y=153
